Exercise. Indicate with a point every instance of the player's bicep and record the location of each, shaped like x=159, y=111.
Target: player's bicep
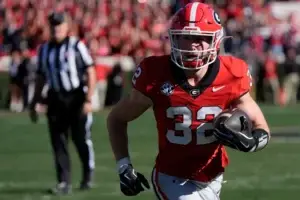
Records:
x=247, y=104
x=131, y=106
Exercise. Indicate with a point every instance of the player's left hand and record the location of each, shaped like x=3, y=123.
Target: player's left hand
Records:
x=87, y=108
x=132, y=182
x=235, y=130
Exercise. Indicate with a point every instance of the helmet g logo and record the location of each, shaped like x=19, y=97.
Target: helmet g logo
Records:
x=217, y=18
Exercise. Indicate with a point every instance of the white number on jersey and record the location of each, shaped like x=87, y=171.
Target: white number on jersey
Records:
x=137, y=73
x=185, y=128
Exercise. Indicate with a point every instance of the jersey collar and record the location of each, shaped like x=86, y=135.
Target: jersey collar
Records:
x=205, y=82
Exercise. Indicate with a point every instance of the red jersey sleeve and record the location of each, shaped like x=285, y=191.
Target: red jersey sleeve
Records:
x=142, y=78
x=243, y=82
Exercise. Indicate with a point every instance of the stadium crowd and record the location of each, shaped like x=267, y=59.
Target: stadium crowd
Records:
x=138, y=28
x=119, y=27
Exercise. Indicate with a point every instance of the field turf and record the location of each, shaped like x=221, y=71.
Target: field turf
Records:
x=26, y=168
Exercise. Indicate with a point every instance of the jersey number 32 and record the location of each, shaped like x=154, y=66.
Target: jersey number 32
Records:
x=185, y=126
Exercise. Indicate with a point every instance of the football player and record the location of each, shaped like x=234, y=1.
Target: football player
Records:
x=186, y=90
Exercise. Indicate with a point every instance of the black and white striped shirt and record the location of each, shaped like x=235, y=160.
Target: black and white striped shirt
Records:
x=64, y=64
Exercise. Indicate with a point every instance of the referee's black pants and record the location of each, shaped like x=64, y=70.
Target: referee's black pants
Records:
x=65, y=114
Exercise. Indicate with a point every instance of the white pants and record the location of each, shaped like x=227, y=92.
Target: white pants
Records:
x=173, y=188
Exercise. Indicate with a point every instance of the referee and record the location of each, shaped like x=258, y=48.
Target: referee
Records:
x=66, y=67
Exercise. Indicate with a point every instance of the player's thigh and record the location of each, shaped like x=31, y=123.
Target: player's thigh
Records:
x=212, y=190
x=173, y=188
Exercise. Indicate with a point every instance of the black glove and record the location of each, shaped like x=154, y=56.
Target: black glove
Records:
x=132, y=182
x=235, y=131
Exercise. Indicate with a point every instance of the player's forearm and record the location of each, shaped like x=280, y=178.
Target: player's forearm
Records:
x=248, y=105
x=118, y=137
x=259, y=122
x=259, y=125
x=91, y=83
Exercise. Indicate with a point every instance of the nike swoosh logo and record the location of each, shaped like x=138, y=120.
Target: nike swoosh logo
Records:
x=247, y=146
x=215, y=89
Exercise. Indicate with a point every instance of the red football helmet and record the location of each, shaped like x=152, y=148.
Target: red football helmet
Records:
x=190, y=26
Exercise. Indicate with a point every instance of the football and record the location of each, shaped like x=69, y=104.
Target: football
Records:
x=235, y=119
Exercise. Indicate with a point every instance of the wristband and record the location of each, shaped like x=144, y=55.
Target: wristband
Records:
x=122, y=164
x=261, y=139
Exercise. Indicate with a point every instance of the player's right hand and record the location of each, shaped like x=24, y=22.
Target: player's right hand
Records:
x=233, y=128
x=132, y=182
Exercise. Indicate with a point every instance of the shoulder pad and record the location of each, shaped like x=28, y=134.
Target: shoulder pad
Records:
x=145, y=65
x=147, y=61
x=237, y=67
x=154, y=64
x=155, y=60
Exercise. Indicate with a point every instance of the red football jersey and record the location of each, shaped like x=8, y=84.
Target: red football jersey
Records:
x=184, y=113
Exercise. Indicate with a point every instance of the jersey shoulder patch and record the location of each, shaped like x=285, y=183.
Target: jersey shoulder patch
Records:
x=236, y=66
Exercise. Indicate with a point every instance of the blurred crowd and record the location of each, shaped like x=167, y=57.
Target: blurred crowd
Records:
x=138, y=28
x=267, y=35
x=109, y=27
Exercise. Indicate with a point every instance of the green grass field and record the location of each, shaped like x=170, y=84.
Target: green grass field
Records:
x=26, y=167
